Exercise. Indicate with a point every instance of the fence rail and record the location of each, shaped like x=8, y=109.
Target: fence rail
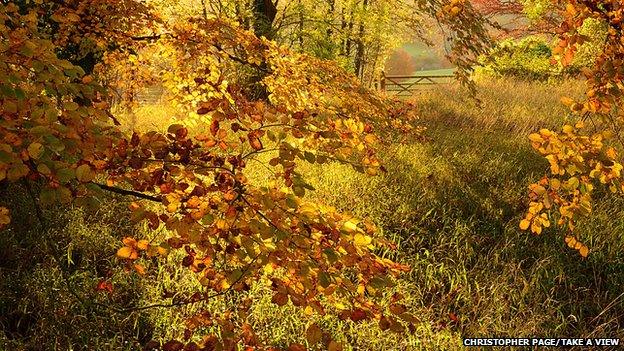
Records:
x=406, y=85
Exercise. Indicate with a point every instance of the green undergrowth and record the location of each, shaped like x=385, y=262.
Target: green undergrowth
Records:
x=451, y=203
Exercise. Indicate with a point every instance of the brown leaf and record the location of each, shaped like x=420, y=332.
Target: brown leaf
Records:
x=296, y=347
x=214, y=127
x=173, y=345
x=314, y=334
x=334, y=346
x=254, y=141
x=280, y=299
x=358, y=315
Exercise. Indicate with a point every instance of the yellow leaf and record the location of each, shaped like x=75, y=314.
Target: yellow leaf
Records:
x=538, y=189
x=567, y=101
x=127, y=253
x=362, y=240
x=524, y=224
x=349, y=227
x=536, y=138
x=370, y=138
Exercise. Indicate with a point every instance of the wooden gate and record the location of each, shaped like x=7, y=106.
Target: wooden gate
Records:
x=406, y=85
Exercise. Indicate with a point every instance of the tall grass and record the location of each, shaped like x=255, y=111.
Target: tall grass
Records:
x=452, y=204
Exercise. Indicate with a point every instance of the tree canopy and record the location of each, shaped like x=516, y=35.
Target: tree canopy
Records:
x=276, y=83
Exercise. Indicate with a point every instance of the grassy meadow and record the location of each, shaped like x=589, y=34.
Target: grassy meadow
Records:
x=451, y=202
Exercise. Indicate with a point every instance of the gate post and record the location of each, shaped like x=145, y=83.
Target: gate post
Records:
x=383, y=81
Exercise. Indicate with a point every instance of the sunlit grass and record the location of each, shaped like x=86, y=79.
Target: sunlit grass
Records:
x=452, y=204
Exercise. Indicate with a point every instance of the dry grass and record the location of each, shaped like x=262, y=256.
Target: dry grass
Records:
x=452, y=204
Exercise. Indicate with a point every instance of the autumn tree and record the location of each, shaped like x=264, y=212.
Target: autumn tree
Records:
x=400, y=63
x=586, y=154
x=60, y=138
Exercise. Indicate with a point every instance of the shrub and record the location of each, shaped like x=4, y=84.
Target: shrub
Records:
x=529, y=58
x=532, y=57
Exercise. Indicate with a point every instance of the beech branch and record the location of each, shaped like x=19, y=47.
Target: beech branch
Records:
x=128, y=192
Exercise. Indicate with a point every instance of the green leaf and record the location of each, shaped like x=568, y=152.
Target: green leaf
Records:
x=6, y=157
x=48, y=196
x=17, y=171
x=310, y=157
x=6, y=90
x=27, y=50
x=19, y=93
x=207, y=219
x=35, y=150
x=324, y=279
x=65, y=175
x=234, y=276
x=84, y=173
x=299, y=191
x=54, y=143
x=331, y=255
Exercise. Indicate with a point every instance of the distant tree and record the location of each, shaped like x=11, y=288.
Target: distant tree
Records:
x=400, y=63
x=518, y=18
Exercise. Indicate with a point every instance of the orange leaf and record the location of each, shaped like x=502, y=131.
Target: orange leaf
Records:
x=4, y=217
x=104, y=285
x=453, y=317
x=128, y=241
x=127, y=253
x=140, y=269
x=584, y=251
x=254, y=141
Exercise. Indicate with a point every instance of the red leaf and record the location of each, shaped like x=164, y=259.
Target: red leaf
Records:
x=214, y=127
x=104, y=285
x=358, y=315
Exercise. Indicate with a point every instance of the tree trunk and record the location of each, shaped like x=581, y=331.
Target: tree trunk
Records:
x=301, y=29
x=264, y=12
x=361, y=49
x=264, y=15
x=349, y=40
x=330, y=14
